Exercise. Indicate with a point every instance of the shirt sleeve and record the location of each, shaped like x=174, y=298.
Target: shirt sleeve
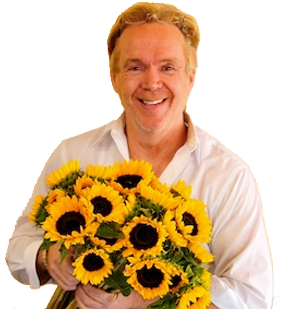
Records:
x=242, y=271
x=26, y=240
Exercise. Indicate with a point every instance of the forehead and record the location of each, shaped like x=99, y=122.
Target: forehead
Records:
x=157, y=40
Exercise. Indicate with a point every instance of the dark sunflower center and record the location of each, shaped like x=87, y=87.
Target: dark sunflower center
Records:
x=129, y=181
x=150, y=278
x=175, y=281
x=190, y=220
x=69, y=222
x=92, y=262
x=143, y=236
x=101, y=206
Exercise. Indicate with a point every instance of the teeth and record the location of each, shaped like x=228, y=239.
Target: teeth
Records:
x=152, y=103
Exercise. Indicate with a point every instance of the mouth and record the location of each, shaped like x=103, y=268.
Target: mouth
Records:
x=152, y=102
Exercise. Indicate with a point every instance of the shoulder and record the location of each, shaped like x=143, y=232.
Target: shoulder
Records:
x=80, y=147
x=226, y=178
x=219, y=167
x=212, y=151
x=88, y=138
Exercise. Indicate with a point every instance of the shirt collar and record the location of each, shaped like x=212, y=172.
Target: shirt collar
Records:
x=113, y=126
x=192, y=142
x=116, y=129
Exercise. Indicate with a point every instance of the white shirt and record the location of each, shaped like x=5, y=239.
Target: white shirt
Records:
x=242, y=271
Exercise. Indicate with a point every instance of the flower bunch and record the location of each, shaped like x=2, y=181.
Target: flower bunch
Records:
x=130, y=232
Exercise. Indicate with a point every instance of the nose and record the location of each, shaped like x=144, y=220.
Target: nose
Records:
x=151, y=79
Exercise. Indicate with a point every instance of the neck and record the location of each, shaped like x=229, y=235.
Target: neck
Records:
x=155, y=147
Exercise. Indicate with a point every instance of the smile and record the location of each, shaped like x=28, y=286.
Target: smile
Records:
x=152, y=102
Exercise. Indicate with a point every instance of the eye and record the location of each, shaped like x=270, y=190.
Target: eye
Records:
x=168, y=68
x=134, y=68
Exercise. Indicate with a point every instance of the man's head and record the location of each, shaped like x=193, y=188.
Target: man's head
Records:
x=144, y=12
x=153, y=64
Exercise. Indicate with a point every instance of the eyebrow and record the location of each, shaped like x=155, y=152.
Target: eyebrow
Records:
x=133, y=60
x=137, y=61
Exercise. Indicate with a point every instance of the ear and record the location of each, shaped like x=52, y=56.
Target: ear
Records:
x=192, y=75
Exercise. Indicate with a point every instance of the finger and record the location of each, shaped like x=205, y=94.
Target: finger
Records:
x=84, y=300
x=62, y=281
x=94, y=293
x=67, y=271
x=62, y=276
x=66, y=265
x=61, y=272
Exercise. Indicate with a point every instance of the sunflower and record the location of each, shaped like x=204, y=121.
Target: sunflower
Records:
x=33, y=215
x=106, y=203
x=148, y=277
x=162, y=199
x=156, y=184
x=196, y=298
x=99, y=173
x=92, y=266
x=170, y=225
x=200, y=252
x=61, y=174
x=181, y=189
x=143, y=236
x=54, y=196
x=129, y=175
x=82, y=185
x=68, y=221
x=206, y=279
x=189, y=215
x=178, y=279
x=109, y=245
x=130, y=202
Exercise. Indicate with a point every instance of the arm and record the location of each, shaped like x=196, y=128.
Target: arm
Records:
x=42, y=268
x=22, y=257
x=242, y=271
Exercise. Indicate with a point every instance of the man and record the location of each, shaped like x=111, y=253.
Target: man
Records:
x=152, y=49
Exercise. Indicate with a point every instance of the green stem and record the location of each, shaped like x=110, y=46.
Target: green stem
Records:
x=60, y=299
x=120, y=264
x=67, y=297
x=72, y=305
x=54, y=298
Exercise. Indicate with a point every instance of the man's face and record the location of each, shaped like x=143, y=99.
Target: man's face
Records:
x=152, y=80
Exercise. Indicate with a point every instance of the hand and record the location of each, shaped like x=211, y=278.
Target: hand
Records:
x=61, y=272
x=89, y=297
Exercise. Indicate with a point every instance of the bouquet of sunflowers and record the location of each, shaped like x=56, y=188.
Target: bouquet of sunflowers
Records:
x=129, y=232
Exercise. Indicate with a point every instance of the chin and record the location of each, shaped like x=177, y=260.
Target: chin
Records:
x=152, y=127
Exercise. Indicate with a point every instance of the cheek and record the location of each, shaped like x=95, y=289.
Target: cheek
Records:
x=185, y=88
x=127, y=88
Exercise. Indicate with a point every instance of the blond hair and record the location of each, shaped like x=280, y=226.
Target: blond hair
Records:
x=145, y=12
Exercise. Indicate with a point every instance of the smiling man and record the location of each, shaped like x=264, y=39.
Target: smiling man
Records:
x=152, y=49
x=153, y=80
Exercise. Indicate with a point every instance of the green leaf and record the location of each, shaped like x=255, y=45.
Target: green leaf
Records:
x=110, y=230
x=68, y=181
x=189, y=271
x=46, y=244
x=118, y=281
x=178, y=256
x=167, y=302
x=42, y=213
